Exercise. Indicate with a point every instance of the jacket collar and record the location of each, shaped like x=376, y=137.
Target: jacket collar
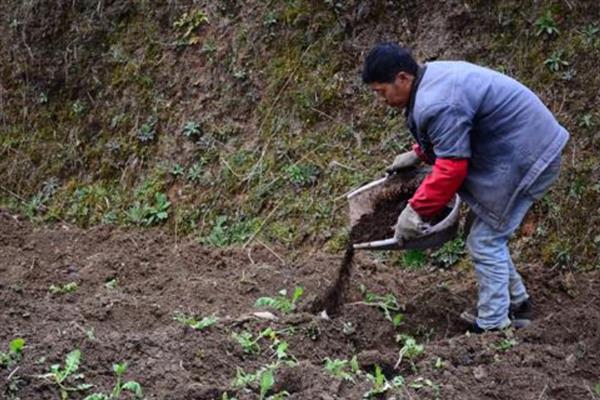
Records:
x=413, y=90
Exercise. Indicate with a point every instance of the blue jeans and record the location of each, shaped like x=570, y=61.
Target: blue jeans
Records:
x=499, y=282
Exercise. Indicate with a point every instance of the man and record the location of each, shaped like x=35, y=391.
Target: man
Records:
x=491, y=140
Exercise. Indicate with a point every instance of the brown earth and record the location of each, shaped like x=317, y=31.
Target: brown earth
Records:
x=558, y=357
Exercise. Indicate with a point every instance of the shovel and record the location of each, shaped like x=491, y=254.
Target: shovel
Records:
x=362, y=200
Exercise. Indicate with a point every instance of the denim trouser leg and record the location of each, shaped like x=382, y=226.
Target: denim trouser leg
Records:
x=499, y=282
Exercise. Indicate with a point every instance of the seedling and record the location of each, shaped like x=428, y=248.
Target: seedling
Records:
x=191, y=128
x=421, y=382
x=187, y=24
x=589, y=33
x=14, y=354
x=193, y=323
x=388, y=304
x=546, y=24
x=411, y=349
x=177, y=170
x=587, y=121
x=147, y=130
x=281, y=302
x=70, y=287
x=380, y=384
x=120, y=386
x=265, y=378
x=555, y=62
x=505, y=344
x=342, y=369
x=62, y=377
x=248, y=342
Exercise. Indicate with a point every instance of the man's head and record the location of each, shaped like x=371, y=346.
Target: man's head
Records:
x=390, y=70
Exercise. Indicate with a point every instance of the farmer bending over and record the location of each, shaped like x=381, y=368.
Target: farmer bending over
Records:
x=491, y=140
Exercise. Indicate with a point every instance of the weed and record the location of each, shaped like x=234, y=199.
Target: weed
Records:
x=301, y=174
x=388, y=304
x=413, y=259
x=187, y=23
x=505, y=344
x=144, y=214
x=589, y=33
x=555, y=62
x=421, y=382
x=111, y=283
x=248, y=342
x=225, y=232
x=265, y=377
x=450, y=253
x=65, y=377
x=177, y=170
x=195, y=172
x=120, y=386
x=547, y=25
x=380, y=385
x=191, y=128
x=147, y=131
x=70, y=287
x=587, y=121
x=281, y=302
x=193, y=323
x=14, y=354
x=410, y=349
x=342, y=369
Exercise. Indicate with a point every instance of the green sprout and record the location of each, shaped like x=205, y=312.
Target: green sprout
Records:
x=546, y=24
x=281, y=302
x=193, y=323
x=120, y=386
x=342, y=369
x=14, y=354
x=555, y=62
x=64, y=377
x=191, y=128
x=70, y=287
x=388, y=304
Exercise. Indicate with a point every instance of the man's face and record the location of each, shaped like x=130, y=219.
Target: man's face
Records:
x=397, y=93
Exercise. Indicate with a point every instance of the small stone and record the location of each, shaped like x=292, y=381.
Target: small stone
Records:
x=479, y=372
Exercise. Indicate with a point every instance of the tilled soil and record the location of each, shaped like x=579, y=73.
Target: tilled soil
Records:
x=558, y=357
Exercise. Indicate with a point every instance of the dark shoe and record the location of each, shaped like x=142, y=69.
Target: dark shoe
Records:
x=469, y=316
x=521, y=314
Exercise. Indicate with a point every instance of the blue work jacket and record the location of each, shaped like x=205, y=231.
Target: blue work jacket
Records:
x=461, y=110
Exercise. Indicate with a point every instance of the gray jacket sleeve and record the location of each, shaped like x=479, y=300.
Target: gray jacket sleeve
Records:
x=449, y=129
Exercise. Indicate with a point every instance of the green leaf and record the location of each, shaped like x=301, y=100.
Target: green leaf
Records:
x=266, y=382
x=133, y=387
x=72, y=362
x=16, y=345
x=120, y=368
x=96, y=396
x=264, y=302
x=299, y=291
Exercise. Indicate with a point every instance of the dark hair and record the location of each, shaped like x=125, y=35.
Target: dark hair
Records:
x=385, y=61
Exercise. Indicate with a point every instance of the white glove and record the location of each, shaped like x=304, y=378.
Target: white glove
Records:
x=410, y=225
x=403, y=161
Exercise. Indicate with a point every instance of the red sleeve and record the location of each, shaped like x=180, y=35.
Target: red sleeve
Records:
x=417, y=149
x=439, y=186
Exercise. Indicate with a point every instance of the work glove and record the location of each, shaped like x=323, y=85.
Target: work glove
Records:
x=402, y=161
x=410, y=225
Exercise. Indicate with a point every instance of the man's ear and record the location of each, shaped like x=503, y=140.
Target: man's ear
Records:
x=403, y=77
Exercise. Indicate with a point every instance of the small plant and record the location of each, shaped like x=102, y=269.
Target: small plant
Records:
x=505, y=344
x=14, y=354
x=547, y=25
x=380, y=385
x=144, y=214
x=555, y=62
x=410, y=349
x=64, y=377
x=177, y=170
x=413, y=259
x=193, y=323
x=267, y=380
x=450, y=253
x=342, y=369
x=191, y=128
x=281, y=302
x=70, y=287
x=421, y=383
x=587, y=121
x=111, y=283
x=147, y=130
x=195, y=172
x=120, y=386
x=187, y=23
x=264, y=377
x=248, y=342
x=301, y=175
x=388, y=304
x=589, y=33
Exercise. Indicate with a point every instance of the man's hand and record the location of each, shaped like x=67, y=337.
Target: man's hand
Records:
x=403, y=161
x=410, y=225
